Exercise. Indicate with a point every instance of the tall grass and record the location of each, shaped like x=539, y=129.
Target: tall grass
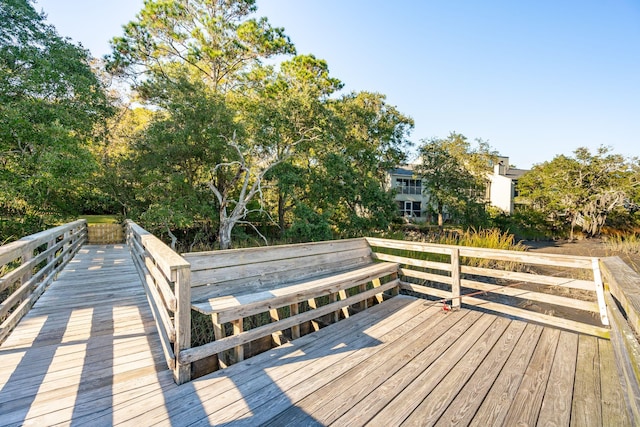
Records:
x=492, y=238
x=625, y=243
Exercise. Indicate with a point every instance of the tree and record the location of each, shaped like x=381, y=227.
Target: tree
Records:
x=343, y=186
x=50, y=105
x=204, y=49
x=453, y=173
x=580, y=190
x=213, y=40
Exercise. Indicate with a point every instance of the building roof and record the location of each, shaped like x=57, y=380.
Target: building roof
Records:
x=516, y=173
x=405, y=170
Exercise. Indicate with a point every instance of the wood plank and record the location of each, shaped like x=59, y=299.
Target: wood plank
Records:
x=437, y=401
x=527, y=401
x=268, y=273
x=496, y=404
x=197, y=353
x=586, y=285
x=591, y=306
x=556, y=405
x=537, y=258
x=614, y=405
x=545, y=319
x=325, y=405
x=232, y=257
x=412, y=261
x=166, y=259
x=218, y=391
x=627, y=353
x=363, y=411
x=623, y=285
x=128, y=351
x=233, y=306
x=469, y=399
x=405, y=402
x=586, y=408
x=325, y=376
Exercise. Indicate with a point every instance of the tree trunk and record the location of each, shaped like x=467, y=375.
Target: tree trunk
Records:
x=440, y=216
x=224, y=234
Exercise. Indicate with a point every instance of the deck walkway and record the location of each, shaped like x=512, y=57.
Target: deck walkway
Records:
x=88, y=354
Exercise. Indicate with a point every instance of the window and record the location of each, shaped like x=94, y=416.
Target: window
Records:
x=410, y=209
x=409, y=186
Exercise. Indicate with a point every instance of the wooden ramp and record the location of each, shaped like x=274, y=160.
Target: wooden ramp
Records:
x=88, y=345
x=88, y=354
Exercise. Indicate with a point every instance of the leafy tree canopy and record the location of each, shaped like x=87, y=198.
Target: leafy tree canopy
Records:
x=453, y=173
x=582, y=189
x=50, y=104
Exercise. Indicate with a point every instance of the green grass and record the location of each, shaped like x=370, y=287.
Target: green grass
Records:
x=101, y=219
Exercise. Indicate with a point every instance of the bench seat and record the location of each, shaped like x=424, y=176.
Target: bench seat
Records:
x=226, y=308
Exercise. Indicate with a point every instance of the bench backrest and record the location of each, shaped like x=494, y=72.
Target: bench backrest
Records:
x=265, y=267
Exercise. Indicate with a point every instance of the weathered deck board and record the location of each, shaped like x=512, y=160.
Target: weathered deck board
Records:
x=97, y=361
x=89, y=337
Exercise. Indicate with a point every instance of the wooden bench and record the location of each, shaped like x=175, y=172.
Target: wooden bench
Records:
x=233, y=284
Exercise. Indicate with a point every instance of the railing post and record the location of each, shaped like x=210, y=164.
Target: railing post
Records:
x=27, y=255
x=597, y=280
x=455, y=278
x=182, y=320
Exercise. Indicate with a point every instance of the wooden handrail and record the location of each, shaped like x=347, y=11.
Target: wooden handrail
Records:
x=444, y=265
x=19, y=263
x=622, y=291
x=166, y=278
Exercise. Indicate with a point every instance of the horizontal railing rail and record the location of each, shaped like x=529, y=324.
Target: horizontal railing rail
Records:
x=166, y=278
x=623, y=302
x=29, y=265
x=480, y=277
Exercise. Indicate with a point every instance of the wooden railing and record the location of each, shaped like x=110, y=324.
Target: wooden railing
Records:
x=623, y=303
x=480, y=277
x=166, y=278
x=29, y=265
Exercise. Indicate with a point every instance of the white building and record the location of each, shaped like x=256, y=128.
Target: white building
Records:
x=414, y=205
x=501, y=190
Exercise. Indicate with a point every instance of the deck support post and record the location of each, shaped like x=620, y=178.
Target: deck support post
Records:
x=455, y=278
x=345, y=310
x=182, y=282
x=238, y=351
x=313, y=305
x=277, y=337
x=218, y=334
x=363, y=304
x=295, y=330
x=376, y=284
x=336, y=314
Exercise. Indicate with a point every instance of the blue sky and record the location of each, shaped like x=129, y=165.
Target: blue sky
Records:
x=533, y=78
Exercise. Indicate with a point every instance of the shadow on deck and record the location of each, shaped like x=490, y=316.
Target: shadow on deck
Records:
x=88, y=353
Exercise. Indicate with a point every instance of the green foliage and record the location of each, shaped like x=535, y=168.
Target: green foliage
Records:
x=525, y=223
x=453, y=176
x=581, y=190
x=213, y=41
x=51, y=104
x=310, y=225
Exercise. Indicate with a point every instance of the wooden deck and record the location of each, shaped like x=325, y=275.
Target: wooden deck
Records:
x=88, y=354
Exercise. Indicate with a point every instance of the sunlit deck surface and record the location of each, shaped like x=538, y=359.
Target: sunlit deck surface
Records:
x=88, y=353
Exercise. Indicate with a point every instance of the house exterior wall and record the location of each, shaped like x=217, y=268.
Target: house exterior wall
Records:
x=411, y=202
x=501, y=192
